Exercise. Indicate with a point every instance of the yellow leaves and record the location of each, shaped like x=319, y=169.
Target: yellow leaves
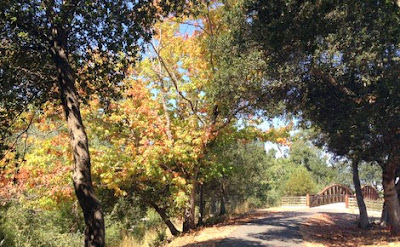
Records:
x=180, y=181
x=118, y=191
x=180, y=199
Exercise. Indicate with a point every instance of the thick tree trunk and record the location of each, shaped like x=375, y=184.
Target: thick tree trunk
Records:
x=385, y=221
x=92, y=211
x=189, y=217
x=360, y=200
x=385, y=216
x=391, y=198
x=163, y=213
x=201, y=205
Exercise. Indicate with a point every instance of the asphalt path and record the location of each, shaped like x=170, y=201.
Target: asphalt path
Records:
x=280, y=229
x=275, y=230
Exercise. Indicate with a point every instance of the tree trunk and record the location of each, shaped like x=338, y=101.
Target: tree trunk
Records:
x=384, y=216
x=222, y=208
x=390, y=193
x=92, y=211
x=201, y=205
x=360, y=200
x=189, y=217
x=385, y=221
x=162, y=212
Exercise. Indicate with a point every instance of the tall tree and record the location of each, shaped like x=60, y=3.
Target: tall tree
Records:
x=359, y=196
x=186, y=72
x=336, y=64
x=44, y=45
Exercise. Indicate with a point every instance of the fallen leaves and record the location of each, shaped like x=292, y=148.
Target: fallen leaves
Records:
x=328, y=229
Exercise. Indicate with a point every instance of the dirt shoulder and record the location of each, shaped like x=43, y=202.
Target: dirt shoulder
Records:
x=340, y=229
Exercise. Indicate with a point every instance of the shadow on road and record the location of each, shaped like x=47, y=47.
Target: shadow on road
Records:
x=321, y=225
x=227, y=242
x=281, y=229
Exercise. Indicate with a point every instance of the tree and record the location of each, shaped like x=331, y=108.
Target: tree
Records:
x=186, y=73
x=146, y=164
x=44, y=43
x=300, y=183
x=302, y=153
x=359, y=195
x=336, y=65
x=238, y=173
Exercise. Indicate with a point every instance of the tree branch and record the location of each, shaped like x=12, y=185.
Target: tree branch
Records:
x=175, y=83
x=191, y=24
x=332, y=81
x=25, y=131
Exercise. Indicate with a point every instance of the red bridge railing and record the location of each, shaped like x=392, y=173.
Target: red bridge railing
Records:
x=318, y=200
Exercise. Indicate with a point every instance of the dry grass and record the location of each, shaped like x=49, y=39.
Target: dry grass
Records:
x=336, y=229
x=129, y=241
x=207, y=236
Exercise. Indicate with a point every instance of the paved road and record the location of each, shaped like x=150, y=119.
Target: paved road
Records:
x=279, y=229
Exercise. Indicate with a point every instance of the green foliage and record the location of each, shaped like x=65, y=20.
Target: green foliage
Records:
x=103, y=34
x=125, y=214
x=216, y=220
x=243, y=172
x=186, y=114
x=336, y=68
x=63, y=226
x=20, y=226
x=370, y=174
x=300, y=183
x=160, y=239
x=150, y=222
x=278, y=171
x=302, y=153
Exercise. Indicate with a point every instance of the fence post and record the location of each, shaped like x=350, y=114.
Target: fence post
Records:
x=308, y=200
x=346, y=200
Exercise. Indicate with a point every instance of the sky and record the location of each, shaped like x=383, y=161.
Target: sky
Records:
x=275, y=123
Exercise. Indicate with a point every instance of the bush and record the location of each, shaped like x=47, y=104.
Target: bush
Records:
x=21, y=226
x=64, y=226
x=160, y=239
x=300, y=183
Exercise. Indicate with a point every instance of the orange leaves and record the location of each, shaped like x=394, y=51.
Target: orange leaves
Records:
x=283, y=141
x=44, y=170
x=279, y=135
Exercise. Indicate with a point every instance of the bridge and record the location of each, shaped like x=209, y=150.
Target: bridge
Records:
x=339, y=193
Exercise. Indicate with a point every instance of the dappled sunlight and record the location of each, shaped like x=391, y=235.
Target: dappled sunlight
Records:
x=170, y=123
x=339, y=229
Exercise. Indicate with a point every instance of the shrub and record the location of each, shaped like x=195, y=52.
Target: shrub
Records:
x=21, y=226
x=300, y=183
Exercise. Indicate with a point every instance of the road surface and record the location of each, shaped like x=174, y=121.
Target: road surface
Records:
x=279, y=229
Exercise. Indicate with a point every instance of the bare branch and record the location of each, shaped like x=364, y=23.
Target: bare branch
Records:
x=191, y=24
x=231, y=116
x=25, y=131
x=175, y=83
